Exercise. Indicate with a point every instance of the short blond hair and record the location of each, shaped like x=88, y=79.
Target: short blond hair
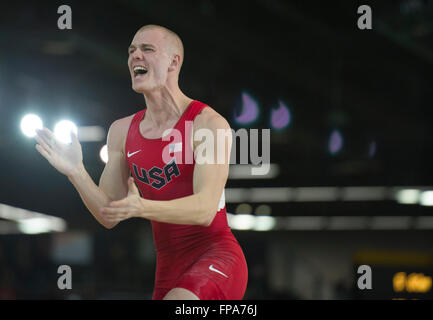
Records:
x=174, y=43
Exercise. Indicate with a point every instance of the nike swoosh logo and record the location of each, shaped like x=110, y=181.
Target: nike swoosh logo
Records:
x=211, y=268
x=131, y=154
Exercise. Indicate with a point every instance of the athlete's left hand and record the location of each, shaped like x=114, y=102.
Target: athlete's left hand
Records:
x=128, y=207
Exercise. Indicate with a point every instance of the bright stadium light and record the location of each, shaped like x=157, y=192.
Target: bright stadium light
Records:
x=63, y=129
x=241, y=221
x=408, y=196
x=41, y=225
x=104, y=154
x=29, y=124
x=91, y=133
x=264, y=223
x=30, y=222
x=426, y=198
x=34, y=226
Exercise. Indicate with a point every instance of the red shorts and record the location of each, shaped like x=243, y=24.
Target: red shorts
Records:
x=220, y=273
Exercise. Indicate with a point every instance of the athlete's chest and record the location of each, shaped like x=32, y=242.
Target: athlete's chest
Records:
x=158, y=163
x=149, y=131
x=160, y=169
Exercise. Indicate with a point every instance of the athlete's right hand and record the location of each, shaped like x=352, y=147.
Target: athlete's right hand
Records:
x=66, y=158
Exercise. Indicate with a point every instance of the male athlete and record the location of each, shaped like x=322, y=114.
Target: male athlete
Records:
x=197, y=255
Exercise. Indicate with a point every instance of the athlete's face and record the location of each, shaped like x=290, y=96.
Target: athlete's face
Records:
x=148, y=60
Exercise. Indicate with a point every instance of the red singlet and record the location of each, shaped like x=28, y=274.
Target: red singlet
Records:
x=208, y=261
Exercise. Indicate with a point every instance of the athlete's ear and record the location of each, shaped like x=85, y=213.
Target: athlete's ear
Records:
x=174, y=64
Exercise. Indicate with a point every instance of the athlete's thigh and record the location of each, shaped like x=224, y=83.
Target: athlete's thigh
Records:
x=180, y=294
x=219, y=274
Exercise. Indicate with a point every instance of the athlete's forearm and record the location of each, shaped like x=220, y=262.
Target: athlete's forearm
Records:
x=192, y=210
x=93, y=197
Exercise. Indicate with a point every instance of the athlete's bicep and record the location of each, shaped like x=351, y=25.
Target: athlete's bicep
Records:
x=212, y=162
x=113, y=181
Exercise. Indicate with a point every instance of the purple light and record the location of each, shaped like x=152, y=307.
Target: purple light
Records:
x=280, y=118
x=335, y=142
x=250, y=110
x=372, y=149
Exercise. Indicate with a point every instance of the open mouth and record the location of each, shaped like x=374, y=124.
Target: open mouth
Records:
x=139, y=70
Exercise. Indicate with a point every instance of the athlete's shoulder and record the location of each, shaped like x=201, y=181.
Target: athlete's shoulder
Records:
x=122, y=123
x=211, y=119
x=118, y=131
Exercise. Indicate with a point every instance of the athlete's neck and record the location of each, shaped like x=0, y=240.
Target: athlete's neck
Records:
x=164, y=106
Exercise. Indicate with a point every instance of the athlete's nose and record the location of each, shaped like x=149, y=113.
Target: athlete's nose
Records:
x=137, y=54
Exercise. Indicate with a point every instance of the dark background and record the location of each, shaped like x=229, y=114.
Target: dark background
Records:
x=371, y=85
